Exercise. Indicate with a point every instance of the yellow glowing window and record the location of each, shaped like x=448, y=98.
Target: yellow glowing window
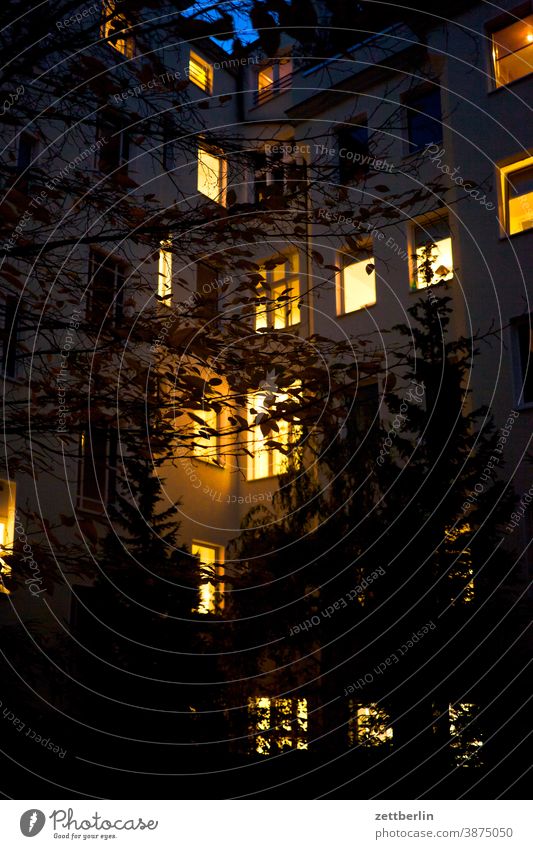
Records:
x=205, y=435
x=512, y=51
x=164, y=280
x=212, y=175
x=277, y=724
x=116, y=30
x=211, y=588
x=7, y=528
x=278, y=299
x=466, y=743
x=267, y=460
x=462, y=574
x=368, y=725
x=200, y=73
x=433, y=253
x=265, y=78
x=357, y=289
x=517, y=195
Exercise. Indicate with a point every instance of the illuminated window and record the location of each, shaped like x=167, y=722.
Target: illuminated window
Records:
x=273, y=79
x=434, y=256
x=356, y=286
x=462, y=574
x=7, y=528
x=277, y=725
x=164, y=279
x=211, y=586
x=523, y=337
x=517, y=195
x=368, y=725
x=424, y=119
x=277, y=300
x=212, y=175
x=512, y=51
x=204, y=430
x=200, y=73
x=466, y=743
x=116, y=29
x=267, y=460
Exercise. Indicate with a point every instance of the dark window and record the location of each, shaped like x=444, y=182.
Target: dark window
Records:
x=277, y=174
x=9, y=326
x=366, y=407
x=169, y=157
x=424, y=119
x=353, y=152
x=97, y=469
x=207, y=288
x=106, y=289
x=114, y=143
x=26, y=152
x=524, y=336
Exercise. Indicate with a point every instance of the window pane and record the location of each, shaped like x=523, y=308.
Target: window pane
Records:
x=9, y=324
x=466, y=743
x=210, y=175
x=164, y=283
x=358, y=286
x=368, y=725
x=116, y=30
x=353, y=150
x=441, y=266
x=512, y=51
x=424, y=120
x=520, y=199
x=200, y=73
x=265, y=78
x=525, y=350
x=205, y=443
x=93, y=466
x=277, y=724
x=208, y=556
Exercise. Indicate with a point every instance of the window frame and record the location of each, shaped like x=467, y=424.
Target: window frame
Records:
x=289, y=305
x=522, y=164
x=505, y=21
x=104, y=470
x=356, y=170
x=280, y=82
x=119, y=136
x=291, y=726
x=207, y=67
x=9, y=336
x=416, y=94
x=115, y=305
x=218, y=584
x=346, y=259
x=214, y=459
x=429, y=222
x=275, y=458
x=164, y=273
x=125, y=36
x=520, y=378
x=222, y=177
x=356, y=736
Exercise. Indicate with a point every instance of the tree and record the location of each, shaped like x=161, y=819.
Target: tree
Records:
x=374, y=537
